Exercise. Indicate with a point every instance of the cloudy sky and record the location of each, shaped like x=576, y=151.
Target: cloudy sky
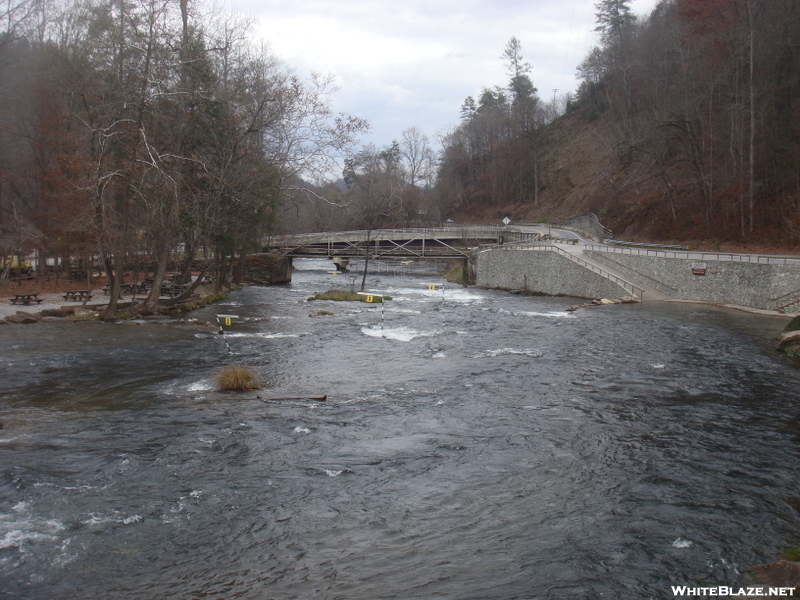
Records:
x=411, y=63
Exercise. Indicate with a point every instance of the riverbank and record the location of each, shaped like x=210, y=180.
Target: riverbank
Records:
x=50, y=302
x=53, y=305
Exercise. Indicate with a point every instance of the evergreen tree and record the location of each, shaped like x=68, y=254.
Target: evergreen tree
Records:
x=613, y=17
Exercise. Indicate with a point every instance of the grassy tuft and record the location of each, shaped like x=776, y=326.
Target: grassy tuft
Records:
x=792, y=554
x=343, y=296
x=793, y=325
x=235, y=377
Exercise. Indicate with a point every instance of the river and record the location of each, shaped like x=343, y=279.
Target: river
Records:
x=474, y=445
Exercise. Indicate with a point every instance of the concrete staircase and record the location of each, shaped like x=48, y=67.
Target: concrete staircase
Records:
x=648, y=292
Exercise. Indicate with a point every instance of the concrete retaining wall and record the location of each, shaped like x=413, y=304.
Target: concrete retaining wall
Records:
x=743, y=284
x=544, y=272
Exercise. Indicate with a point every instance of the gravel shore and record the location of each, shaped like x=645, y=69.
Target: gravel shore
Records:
x=49, y=302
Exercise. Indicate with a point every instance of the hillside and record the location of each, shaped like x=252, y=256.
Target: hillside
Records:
x=685, y=128
x=580, y=171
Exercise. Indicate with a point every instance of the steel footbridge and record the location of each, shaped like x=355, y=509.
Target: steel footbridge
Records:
x=430, y=243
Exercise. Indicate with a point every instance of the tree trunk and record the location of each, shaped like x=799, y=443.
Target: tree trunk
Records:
x=151, y=302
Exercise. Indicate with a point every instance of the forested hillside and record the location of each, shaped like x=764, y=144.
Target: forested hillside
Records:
x=686, y=126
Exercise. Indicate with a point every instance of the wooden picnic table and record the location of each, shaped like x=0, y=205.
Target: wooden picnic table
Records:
x=173, y=290
x=78, y=295
x=26, y=299
x=136, y=287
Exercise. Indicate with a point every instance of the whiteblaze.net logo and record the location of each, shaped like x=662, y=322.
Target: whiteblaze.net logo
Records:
x=733, y=592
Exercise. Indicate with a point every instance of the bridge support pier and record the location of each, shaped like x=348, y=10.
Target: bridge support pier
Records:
x=461, y=270
x=268, y=269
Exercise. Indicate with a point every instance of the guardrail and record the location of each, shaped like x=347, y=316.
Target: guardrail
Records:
x=579, y=222
x=702, y=256
x=628, y=286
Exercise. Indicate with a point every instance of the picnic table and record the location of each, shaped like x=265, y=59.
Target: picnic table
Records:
x=26, y=299
x=78, y=295
x=173, y=290
x=128, y=288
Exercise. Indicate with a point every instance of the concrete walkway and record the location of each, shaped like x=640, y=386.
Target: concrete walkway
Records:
x=650, y=294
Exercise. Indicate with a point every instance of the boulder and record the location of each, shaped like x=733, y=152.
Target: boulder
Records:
x=22, y=318
x=602, y=302
x=64, y=311
x=783, y=573
x=787, y=340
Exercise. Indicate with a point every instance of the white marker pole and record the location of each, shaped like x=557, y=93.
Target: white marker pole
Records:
x=227, y=320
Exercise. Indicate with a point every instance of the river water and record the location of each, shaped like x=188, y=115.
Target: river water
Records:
x=474, y=445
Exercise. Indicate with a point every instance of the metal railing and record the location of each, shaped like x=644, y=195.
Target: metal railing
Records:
x=646, y=245
x=782, y=302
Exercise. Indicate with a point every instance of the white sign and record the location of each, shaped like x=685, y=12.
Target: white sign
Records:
x=506, y=220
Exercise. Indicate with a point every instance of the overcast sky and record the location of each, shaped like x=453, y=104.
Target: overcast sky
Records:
x=411, y=63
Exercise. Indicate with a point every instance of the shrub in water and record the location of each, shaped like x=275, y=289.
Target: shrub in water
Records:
x=233, y=377
x=342, y=296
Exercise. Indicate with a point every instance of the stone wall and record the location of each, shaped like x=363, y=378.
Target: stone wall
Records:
x=267, y=269
x=744, y=284
x=542, y=271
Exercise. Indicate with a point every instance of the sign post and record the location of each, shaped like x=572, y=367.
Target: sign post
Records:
x=226, y=320
x=373, y=297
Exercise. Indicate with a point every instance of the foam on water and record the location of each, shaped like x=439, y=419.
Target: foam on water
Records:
x=95, y=519
x=401, y=334
x=555, y=315
x=511, y=351
x=18, y=527
x=200, y=386
x=264, y=335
